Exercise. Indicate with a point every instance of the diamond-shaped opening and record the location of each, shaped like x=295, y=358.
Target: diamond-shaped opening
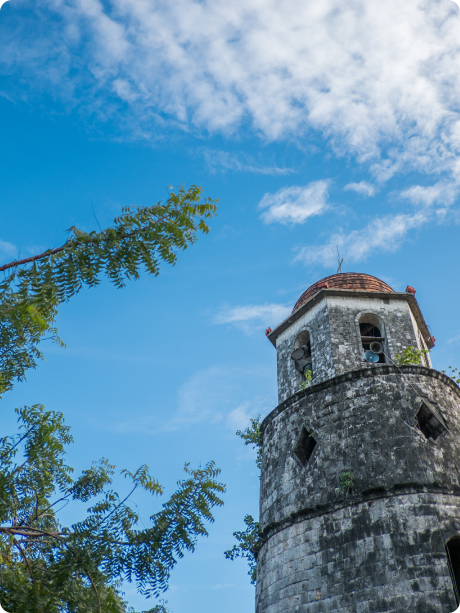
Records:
x=429, y=423
x=305, y=446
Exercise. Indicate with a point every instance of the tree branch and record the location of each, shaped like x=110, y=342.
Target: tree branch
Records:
x=27, y=531
x=55, y=535
x=50, y=252
x=95, y=590
x=32, y=259
x=26, y=560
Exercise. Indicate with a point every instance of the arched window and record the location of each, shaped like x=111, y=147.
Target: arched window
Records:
x=302, y=354
x=453, y=559
x=371, y=331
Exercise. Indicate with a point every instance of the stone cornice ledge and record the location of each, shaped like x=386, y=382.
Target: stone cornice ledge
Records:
x=354, y=375
x=353, y=293
x=369, y=495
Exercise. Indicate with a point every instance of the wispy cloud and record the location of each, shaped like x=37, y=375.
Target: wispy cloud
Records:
x=442, y=192
x=277, y=68
x=364, y=188
x=221, y=161
x=295, y=204
x=240, y=417
x=253, y=318
x=221, y=396
x=382, y=233
x=8, y=250
x=214, y=395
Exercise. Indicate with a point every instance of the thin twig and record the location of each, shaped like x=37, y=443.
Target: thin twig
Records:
x=19, y=441
x=117, y=507
x=51, y=506
x=97, y=220
x=58, y=536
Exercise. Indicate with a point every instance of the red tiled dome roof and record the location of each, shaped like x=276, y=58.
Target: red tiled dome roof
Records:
x=344, y=280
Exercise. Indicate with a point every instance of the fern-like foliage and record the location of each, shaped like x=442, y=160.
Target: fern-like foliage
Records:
x=252, y=435
x=249, y=544
x=49, y=568
x=249, y=540
x=142, y=238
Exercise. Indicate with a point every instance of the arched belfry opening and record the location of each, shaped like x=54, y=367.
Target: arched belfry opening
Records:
x=372, y=333
x=453, y=558
x=302, y=353
x=303, y=339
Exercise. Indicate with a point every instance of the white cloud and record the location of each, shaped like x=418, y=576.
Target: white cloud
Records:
x=241, y=162
x=295, y=204
x=379, y=80
x=382, y=234
x=442, y=193
x=364, y=188
x=253, y=318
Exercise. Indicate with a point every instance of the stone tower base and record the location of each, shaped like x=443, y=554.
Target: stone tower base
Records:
x=386, y=554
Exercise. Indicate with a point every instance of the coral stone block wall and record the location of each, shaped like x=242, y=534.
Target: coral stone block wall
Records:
x=381, y=545
x=364, y=557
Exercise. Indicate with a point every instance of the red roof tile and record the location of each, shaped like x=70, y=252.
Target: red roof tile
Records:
x=344, y=280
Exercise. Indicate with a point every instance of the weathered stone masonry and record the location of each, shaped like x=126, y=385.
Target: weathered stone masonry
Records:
x=380, y=546
x=334, y=333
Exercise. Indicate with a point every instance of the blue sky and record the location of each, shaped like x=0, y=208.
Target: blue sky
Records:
x=316, y=125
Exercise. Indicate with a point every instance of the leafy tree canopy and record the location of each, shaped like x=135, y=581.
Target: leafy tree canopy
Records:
x=46, y=567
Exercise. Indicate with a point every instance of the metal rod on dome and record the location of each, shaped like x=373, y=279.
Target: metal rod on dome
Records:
x=339, y=269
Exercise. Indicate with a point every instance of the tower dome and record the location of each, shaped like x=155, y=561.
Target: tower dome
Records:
x=344, y=280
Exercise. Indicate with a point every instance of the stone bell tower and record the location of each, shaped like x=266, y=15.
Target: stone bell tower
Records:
x=360, y=481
